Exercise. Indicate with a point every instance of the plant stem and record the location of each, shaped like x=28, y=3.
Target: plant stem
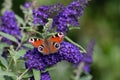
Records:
x=20, y=77
x=83, y=50
x=78, y=71
x=9, y=64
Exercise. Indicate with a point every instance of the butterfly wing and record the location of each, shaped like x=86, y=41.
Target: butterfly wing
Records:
x=36, y=42
x=55, y=42
x=40, y=44
x=57, y=37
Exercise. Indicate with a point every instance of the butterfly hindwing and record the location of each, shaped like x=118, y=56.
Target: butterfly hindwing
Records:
x=55, y=42
x=43, y=49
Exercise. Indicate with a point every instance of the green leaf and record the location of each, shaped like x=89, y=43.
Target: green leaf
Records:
x=12, y=54
x=21, y=65
x=31, y=30
x=88, y=77
x=2, y=78
x=82, y=49
x=47, y=25
x=8, y=36
x=36, y=74
x=28, y=45
x=27, y=28
x=27, y=75
x=2, y=45
x=3, y=73
x=19, y=19
x=3, y=62
x=24, y=37
x=49, y=69
x=72, y=27
x=20, y=53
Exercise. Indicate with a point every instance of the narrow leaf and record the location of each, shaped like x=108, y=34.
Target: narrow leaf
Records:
x=3, y=73
x=68, y=39
x=19, y=19
x=2, y=45
x=8, y=36
x=71, y=28
x=88, y=77
x=28, y=45
x=27, y=28
x=12, y=54
x=49, y=69
x=20, y=53
x=27, y=75
x=36, y=74
x=3, y=62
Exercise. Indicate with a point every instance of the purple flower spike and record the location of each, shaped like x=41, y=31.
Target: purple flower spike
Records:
x=68, y=52
x=88, y=59
x=69, y=15
x=42, y=14
x=62, y=16
x=44, y=76
x=9, y=25
x=27, y=5
x=34, y=60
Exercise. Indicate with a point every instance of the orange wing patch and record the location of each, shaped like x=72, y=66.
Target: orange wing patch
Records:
x=57, y=37
x=36, y=42
x=53, y=49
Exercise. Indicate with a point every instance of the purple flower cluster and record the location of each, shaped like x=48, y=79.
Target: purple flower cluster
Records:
x=8, y=24
x=69, y=16
x=68, y=52
x=65, y=16
x=42, y=14
x=44, y=76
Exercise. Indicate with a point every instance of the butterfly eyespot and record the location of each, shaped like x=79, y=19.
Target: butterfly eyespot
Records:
x=40, y=49
x=60, y=34
x=31, y=40
x=57, y=45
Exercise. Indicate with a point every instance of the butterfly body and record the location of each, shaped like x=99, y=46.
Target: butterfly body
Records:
x=48, y=46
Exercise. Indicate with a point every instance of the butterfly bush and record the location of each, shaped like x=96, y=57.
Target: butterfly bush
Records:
x=67, y=51
x=62, y=16
x=9, y=25
x=37, y=60
x=65, y=15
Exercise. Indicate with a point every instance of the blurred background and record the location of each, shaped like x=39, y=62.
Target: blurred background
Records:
x=100, y=21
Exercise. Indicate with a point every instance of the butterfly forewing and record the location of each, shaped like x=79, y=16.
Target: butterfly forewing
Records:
x=36, y=42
